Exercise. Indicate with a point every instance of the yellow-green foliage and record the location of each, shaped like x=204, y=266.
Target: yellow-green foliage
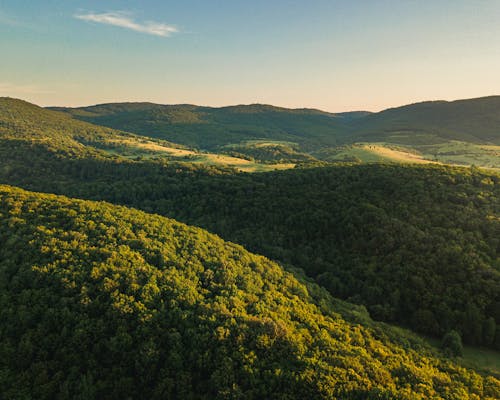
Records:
x=100, y=301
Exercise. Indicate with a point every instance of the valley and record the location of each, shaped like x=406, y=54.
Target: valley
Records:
x=249, y=200
x=384, y=241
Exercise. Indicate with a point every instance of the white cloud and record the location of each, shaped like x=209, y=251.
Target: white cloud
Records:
x=123, y=20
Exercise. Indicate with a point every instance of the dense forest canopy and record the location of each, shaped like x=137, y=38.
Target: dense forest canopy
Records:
x=418, y=246
x=22, y=121
x=99, y=301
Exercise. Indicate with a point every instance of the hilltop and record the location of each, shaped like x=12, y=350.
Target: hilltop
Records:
x=472, y=120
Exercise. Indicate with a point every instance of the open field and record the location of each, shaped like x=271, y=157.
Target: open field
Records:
x=462, y=153
x=376, y=152
x=150, y=149
x=397, y=155
x=262, y=143
x=481, y=358
x=452, y=152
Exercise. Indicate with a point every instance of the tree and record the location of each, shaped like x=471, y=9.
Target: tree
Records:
x=489, y=328
x=452, y=344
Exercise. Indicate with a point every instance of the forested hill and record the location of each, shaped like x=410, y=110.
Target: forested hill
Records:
x=25, y=126
x=211, y=128
x=418, y=246
x=24, y=122
x=99, y=301
x=471, y=120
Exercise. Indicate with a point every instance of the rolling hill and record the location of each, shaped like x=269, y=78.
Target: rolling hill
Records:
x=109, y=302
x=360, y=231
x=417, y=245
x=27, y=128
x=462, y=132
x=472, y=120
x=211, y=128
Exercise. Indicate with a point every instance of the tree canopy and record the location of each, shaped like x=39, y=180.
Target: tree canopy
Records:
x=101, y=301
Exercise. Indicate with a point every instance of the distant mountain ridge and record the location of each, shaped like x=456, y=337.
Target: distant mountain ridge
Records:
x=210, y=128
x=471, y=120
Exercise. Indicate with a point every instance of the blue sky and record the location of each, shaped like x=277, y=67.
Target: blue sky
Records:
x=332, y=55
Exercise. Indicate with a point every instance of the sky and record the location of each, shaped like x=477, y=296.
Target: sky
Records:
x=326, y=54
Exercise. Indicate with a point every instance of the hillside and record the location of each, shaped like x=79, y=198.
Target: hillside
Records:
x=417, y=245
x=108, y=302
x=28, y=129
x=210, y=128
x=471, y=120
x=464, y=132
x=23, y=122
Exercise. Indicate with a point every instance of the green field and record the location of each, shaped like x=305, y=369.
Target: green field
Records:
x=452, y=152
x=137, y=149
x=462, y=153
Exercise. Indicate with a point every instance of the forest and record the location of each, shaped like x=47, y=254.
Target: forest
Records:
x=100, y=301
x=417, y=245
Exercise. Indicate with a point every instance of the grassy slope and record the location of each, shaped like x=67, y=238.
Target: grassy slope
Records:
x=477, y=358
x=106, y=302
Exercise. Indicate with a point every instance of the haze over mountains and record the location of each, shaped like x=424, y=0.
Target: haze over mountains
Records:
x=107, y=301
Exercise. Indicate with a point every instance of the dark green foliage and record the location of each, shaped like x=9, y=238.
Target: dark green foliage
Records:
x=472, y=120
x=452, y=344
x=22, y=121
x=99, y=301
x=210, y=128
x=104, y=302
x=269, y=152
x=489, y=331
x=416, y=245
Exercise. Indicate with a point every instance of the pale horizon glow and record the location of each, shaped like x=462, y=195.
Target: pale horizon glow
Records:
x=332, y=55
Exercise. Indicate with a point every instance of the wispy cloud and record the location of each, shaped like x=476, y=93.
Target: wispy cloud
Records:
x=124, y=20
